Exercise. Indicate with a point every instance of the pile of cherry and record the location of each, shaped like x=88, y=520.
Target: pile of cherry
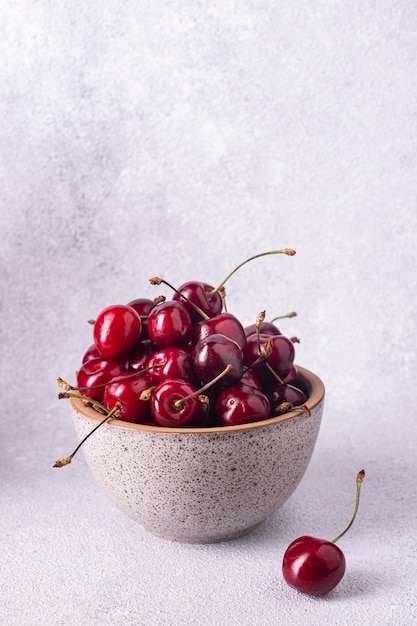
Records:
x=187, y=362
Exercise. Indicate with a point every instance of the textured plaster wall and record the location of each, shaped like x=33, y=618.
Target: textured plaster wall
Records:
x=178, y=138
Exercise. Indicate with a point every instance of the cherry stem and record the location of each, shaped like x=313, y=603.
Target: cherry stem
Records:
x=156, y=280
x=281, y=317
x=287, y=251
x=359, y=480
x=178, y=403
x=67, y=460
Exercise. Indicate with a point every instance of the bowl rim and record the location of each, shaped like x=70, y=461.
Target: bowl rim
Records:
x=317, y=392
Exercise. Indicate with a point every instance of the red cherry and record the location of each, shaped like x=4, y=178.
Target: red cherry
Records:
x=91, y=353
x=197, y=293
x=278, y=393
x=173, y=404
x=97, y=372
x=212, y=354
x=241, y=404
x=143, y=306
x=137, y=357
x=126, y=390
x=222, y=324
x=116, y=329
x=250, y=378
x=280, y=359
x=266, y=328
x=169, y=325
x=315, y=566
x=173, y=362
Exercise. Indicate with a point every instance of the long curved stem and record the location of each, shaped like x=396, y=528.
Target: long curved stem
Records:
x=359, y=480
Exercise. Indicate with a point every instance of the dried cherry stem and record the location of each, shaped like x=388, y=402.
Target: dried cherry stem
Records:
x=266, y=349
x=359, y=481
x=156, y=280
x=178, y=403
x=286, y=407
x=287, y=251
x=67, y=460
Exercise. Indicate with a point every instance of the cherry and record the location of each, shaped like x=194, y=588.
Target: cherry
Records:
x=125, y=391
x=280, y=393
x=116, y=329
x=174, y=403
x=316, y=566
x=212, y=354
x=240, y=404
x=249, y=377
x=169, y=325
x=266, y=328
x=143, y=306
x=137, y=357
x=95, y=373
x=174, y=362
x=197, y=293
x=222, y=324
x=92, y=352
x=292, y=377
x=280, y=359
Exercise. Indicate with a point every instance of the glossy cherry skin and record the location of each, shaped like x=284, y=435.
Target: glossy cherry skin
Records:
x=212, y=354
x=241, y=404
x=196, y=292
x=292, y=377
x=143, y=306
x=266, y=328
x=173, y=363
x=278, y=393
x=313, y=566
x=92, y=352
x=116, y=329
x=137, y=358
x=127, y=391
x=281, y=358
x=222, y=324
x=169, y=325
x=97, y=371
x=249, y=377
x=162, y=403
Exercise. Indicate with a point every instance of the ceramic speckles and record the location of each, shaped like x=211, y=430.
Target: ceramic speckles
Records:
x=202, y=485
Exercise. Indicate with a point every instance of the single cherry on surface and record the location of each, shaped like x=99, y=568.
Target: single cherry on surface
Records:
x=316, y=566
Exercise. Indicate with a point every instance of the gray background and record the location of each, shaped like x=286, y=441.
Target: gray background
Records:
x=179, y=138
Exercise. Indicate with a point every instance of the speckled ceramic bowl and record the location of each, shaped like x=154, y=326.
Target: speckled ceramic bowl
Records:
x=202, y=485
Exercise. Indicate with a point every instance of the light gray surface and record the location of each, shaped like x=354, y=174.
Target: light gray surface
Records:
x=179, y=138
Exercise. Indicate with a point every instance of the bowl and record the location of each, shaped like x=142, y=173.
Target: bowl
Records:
x=202, y=485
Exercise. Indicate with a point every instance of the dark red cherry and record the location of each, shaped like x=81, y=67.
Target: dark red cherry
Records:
x=172, y=363
x=143, y=306
x=137, y=357
x=169, y=325
x=313, y=566
x=266, y=328
x=241, y=404
x=222, y=324
x=91, y=353
x=97, y=372
x=278, y=393
x=116, y=329
x=212, y=354
x=198, y=292
x=249, y=377
x=126, y=390
x=171, y=405
x=281, y=358
x=292, y=377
